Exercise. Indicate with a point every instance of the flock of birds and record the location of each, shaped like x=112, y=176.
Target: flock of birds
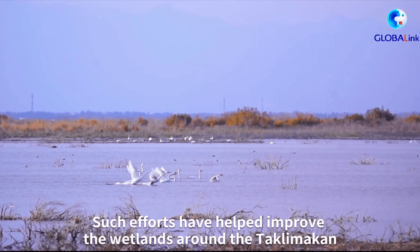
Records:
x=170, y=139
x=157, y=175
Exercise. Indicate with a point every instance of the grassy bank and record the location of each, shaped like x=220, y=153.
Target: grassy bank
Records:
x=238, y=126
x=52, y=226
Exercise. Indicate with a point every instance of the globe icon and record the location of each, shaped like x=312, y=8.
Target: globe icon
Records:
x=397, y=18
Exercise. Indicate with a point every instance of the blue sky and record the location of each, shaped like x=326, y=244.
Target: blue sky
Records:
x=185, y=56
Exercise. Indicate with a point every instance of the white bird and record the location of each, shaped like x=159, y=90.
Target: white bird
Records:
x=128, y=138
x=190, y=138
x=118, y=140
x=272, y=143
x=134, y=141
x=171, y=139
x=228, y=140
x=160, y=140
x=185, y=138
x=179, y=176
x=216, y=178
x=192, y=141
x=199, y=175
x=157, y=174
x=134, y=177
x=150, y=139
x=211, y=138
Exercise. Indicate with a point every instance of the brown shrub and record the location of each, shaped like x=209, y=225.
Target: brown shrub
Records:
x=249, y=117
x=354, y=118
x=413, y=119
x=178, y=120
x=3, y=118
x=303, y=119
x=142, y=121
x=198, y=122
x=377, y=114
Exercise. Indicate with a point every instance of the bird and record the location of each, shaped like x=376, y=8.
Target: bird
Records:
x=185, y=138
x=128, y=138
x=150, y=139
x=193, y=177
x=171, y=139
x=272, y=142
x=192, y=141
x=179, y=176
x=160, y=140
x=190, y=138
x=37, y=156
x=228, y=140
x=134, y=177
x=216, y=178
x=118, y=140
x=134, y=141
x=156, y=175
x=211, y=138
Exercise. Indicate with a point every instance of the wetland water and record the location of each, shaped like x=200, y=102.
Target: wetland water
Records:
x=327, y=183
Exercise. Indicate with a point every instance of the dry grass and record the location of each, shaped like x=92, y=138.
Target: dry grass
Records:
x=58, y=163
x=78, y=145
x=271, y=163
x=68, y=235
x=108, y=164
x=246, y=123
x=129, y=209
x=121, y=164
x=290, y=184
x=365, y=160
x=7, y=212
x=52, y=211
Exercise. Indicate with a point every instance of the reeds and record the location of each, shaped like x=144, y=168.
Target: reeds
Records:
x=69, y=235
x=7, y=212
x=129, y=209
x=244, y=123
x=52, y=211
x=108, y=164
x=58, y=163
x=270, y=163
x=290, y=184
x=365, y=160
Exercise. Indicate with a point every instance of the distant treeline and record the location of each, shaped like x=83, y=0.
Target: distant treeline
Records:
x=245, y=123
x=134, y=115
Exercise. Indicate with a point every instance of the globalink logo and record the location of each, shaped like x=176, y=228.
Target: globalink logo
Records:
x=397, y=20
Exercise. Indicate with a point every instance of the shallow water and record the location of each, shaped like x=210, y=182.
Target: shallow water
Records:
x=327, y=183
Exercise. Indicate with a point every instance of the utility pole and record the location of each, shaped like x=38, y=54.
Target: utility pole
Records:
x=224, y=105
x=32, y=103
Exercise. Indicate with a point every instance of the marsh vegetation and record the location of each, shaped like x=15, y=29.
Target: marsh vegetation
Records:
x=48, y=228
x=245, y=123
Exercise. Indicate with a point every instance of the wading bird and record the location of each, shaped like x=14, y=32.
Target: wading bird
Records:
x=199, y=175
x=216, y=178
x=133, y=173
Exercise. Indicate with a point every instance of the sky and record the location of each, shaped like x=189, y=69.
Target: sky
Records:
x=188, y=56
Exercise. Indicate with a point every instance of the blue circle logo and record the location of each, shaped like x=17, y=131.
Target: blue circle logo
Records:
x=397, y=18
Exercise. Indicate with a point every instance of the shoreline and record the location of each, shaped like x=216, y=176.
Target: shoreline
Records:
x=145, y=141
